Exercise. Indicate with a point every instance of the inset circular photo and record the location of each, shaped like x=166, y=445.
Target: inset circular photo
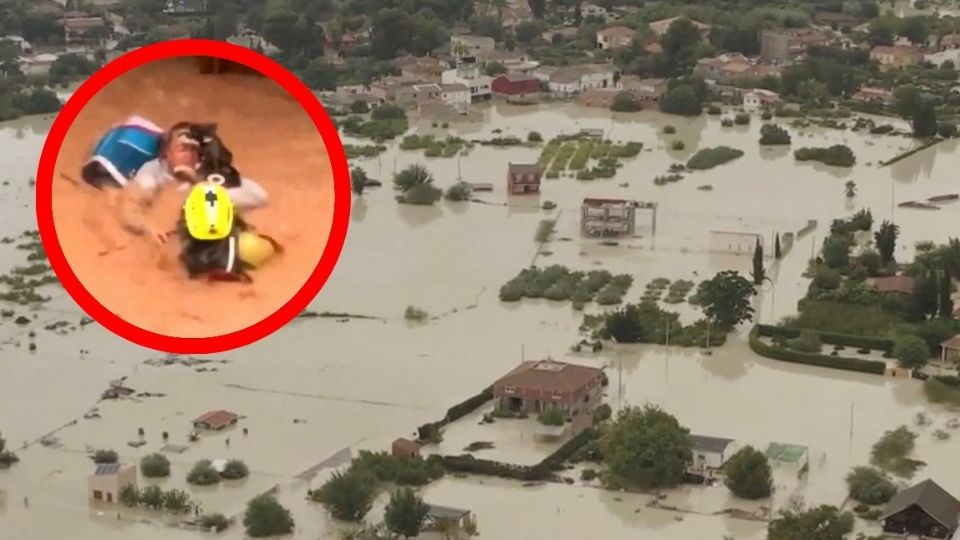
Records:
x=193, y=196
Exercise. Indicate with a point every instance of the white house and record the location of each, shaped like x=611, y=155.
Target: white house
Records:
x=22, y=44
x=456, y=95
x=939, y=58
x=592, y=10
x=576, y=79
x=108, y=480
x=758, y=98
x=37, y=65
x=739, y=243
x=468, y=74
x=710, y=452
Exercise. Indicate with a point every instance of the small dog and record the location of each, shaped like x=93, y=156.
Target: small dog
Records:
x=215, y=157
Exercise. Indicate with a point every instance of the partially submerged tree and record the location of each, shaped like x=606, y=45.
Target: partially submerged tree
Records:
x=645, y=447
x=850, y=189
x=203, y=474
x=266, y=517
x=105, y=456
x=870, y=486
x=155, y=466
x=358, y=180
x=777, y=253
x=552, y=416
x=405, y=513
x=911, y=352
x=886, y=239
x=758, y=273
x=821, y=523
x=347, y=496
x=726, y=299
x=7, y=457
x=748, y=474
x=235, y=469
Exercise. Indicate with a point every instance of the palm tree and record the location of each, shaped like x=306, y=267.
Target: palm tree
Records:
x=851, y=189
x=414, y=175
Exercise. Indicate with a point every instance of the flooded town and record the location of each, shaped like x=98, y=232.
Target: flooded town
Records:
x=693, y=279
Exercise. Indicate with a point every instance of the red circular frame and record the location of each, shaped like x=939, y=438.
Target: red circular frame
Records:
x=180, y=48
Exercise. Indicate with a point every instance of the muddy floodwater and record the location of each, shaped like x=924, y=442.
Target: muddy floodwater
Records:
x=322, y=388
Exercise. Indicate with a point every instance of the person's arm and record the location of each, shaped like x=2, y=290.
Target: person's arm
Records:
x=138, y=195
x=249, y=195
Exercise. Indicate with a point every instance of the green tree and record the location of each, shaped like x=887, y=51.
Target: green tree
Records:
x=777, y=253
x=495, y=68
x=682, y=100
x=358, y=180
x=266, y=517
x=870, y=486
x=870, y=261
x=925, y=300
x=850, y=189
x=458, y=192
x=129, y=495
x=772, y=134
x=155, y=466
x=911, y=352
x=915, y=29
x=405, y=513
x=235, y=469
x=946, y=289
x=908, y=99
x=680, y=43
x=414, y=175
x=152, y=497
x=537, y=7
x=924, y=121
x=528, y=31
x=347, y=496
x=623, y=325
x=176, y=501
x=882, y=31
x=821, y=523
x=105, y=456
x=646, y=447
x=320, y=75
x=215, y=521
x=758, y=273
x=552, y=416
x=748, y=474
x=726, y=299
x=886, y=240
x=836, y=251
x=203, y=473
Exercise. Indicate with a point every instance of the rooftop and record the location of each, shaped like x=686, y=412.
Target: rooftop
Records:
x=220, y=417
x=709, y=444
x=551, y=376
x=107, y=469
x=445, y=512
x=524, y=168
x=931, y=498
x=617, y=31
x=899, y=284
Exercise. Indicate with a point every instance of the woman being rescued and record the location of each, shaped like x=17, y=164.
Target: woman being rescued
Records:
x=136, y=159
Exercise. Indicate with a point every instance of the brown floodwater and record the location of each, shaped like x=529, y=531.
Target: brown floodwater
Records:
x=361, y=383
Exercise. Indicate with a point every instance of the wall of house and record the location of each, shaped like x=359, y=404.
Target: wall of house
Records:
x=738, y=243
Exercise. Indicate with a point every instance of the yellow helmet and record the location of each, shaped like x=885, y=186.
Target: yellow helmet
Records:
x=208, y=211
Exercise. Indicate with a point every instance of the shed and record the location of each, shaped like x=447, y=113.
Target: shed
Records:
x=442, y=517
x=216, y=420
x=523, y=178
x=950, y=349
x=710, y=452
x=109, y=479
x=405, y=448
x=924, y=510
x=892, y=284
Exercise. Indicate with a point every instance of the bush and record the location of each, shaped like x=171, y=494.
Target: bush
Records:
x=808, y=341
x=714, y=110
x=813, y=359
x=552, y=416
x=422, y=194
x=155, y=466
x=217, y=522
x=588, y=474
x=837, y=155
x=347, y=496
x=413, y=313
x=234, y=470
x=678, y=145
x=548, y=205
x=708, y=158
x=458, y=192
x=266, y=517
x=105, y=456
x=772, y=134
x=748, y=474
x=766, y=115
x=726, y=122
x=870, y=486
x=669, y=130
x=911, y=352
x=534, y=136
x=203, y=474
x=830, y=338
x=741, y=119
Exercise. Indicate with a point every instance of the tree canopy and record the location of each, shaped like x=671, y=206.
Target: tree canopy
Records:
x=726, y=299
x=646, y=447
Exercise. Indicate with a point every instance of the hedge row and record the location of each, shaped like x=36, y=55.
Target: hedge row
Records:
x=541, y=471
x=458, y=411
x=831, y=338
x=814, y=359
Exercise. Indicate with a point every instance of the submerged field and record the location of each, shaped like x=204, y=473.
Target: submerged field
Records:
x=323, y=385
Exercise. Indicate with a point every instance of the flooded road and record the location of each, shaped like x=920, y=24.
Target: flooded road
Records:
x=360, y=384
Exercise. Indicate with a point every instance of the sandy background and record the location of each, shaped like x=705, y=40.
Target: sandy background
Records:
x=274, y=142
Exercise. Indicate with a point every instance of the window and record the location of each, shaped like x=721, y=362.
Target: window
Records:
x=98, y=495
x=509, y=389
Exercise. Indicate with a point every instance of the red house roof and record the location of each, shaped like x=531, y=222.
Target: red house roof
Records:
x=550, y=376
x=897, y=284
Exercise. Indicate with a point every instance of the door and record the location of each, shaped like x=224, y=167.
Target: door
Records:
x=109, y=497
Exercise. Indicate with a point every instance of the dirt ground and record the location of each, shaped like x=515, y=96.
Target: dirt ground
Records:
x=274, y=142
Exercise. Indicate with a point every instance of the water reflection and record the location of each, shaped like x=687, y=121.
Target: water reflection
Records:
x=418, y=215
x=359, y=209
x=775, y=152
